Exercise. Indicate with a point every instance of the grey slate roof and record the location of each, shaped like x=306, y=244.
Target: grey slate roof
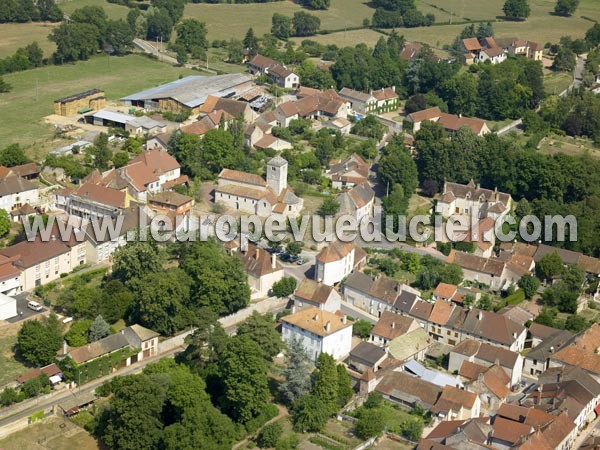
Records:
x=193, y=90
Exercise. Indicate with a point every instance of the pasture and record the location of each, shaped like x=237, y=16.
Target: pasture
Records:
x=226, y=21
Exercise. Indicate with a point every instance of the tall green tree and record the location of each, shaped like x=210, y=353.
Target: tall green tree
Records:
x=251, y=42
x=345, y=391
x=296, y=375
x=191, y=33
x=516, y=9
x=325, y=383
x=309, y=414
x=281, y=26
x=98, y=329
x=305, y=24
x=566, y=7
x=261, y=329
x=119, y=34
x=39, y=340
x=397, y=166
x=244, y=374
x=13, y=155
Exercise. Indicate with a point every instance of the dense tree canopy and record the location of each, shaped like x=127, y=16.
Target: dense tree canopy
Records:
x=39, y=340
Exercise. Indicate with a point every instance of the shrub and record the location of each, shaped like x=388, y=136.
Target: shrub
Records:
x=269, y=435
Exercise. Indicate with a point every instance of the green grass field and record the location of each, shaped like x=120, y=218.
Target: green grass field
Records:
x=225, y=21
x=21, y=110
x=15, y=35
x=11, y=368
x=113, y=11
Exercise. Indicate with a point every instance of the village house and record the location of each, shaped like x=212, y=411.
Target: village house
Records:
x=336, y=261
x=263, y=270
x=348, y=172
x=456, y=404
x=312, y=294
x=16, y=191
x=357, y=202
x=258, y=136
x=344, y=126
x=407, y=390
x=387, y=100
x=8, y=307
x=494, y=328
x=482, y=50
x=567, y=388
x=318, y=107
x=360, y=102
x=100, y=247
x=472, y=200
x=486, y=355
x=410, y=51
x=134, y=337
x=92, y=201
x=581, y=350
x=491, y=384
x=319, y=331
x=28, y=171
x=379, y=294
x=491, y=271
x=366, y=356
x=390, y=326
x=472, y=433
x=520, y=47
x=208, y=122
x=250, y=193
x=43, y=262
x=451, y=122
x=159, y=141
x=235, y=109
x=277, y=72
x=537, y=361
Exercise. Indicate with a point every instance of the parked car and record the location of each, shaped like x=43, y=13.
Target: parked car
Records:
x=34, y=306
x=300, y=261
x=294, y=258
x=284, y=257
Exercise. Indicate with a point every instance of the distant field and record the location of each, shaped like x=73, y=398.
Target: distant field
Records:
x=15, y=35
x=568, y=145
x=226, y=21
x=556, y=82
x=346, y=38
x=113, y=11
x=21, y=111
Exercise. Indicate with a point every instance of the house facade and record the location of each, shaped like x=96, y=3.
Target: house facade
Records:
x=337, y=261
x=319, y=331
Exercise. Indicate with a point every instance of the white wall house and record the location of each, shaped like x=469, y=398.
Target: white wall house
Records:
x=319, y=331
x=311, y=294
x=336, y=261
x=16, y=191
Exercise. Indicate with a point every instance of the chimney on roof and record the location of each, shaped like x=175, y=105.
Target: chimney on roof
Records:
x=65, y=347
x=256, y=252
x=344, y=319
x=479, y=315
x=478, y=186
x=393, y=325
x=316, y=317
x=328, y=326
x=514, y=334
x=558, y=375
x=552, y=349
x=394, y=88
x=273, y=260
x=53, y=237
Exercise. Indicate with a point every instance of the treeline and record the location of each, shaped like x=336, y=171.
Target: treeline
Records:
x=552, y=185
x=22, y=11
x=301, y=24
x=399, y=13
x=23, y=59
x=576, y=114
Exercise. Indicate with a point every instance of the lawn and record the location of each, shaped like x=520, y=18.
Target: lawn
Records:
x=22, y=109
x=15, y=35
x=11, y=368
x=226, y=21
x=568, y=145
x=113, y=11
x=48, y=434
x=347, y=38
x=556, y=82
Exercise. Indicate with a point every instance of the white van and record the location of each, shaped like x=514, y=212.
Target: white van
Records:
x=34, y=305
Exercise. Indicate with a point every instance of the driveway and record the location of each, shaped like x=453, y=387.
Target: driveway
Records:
x=23, y=312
